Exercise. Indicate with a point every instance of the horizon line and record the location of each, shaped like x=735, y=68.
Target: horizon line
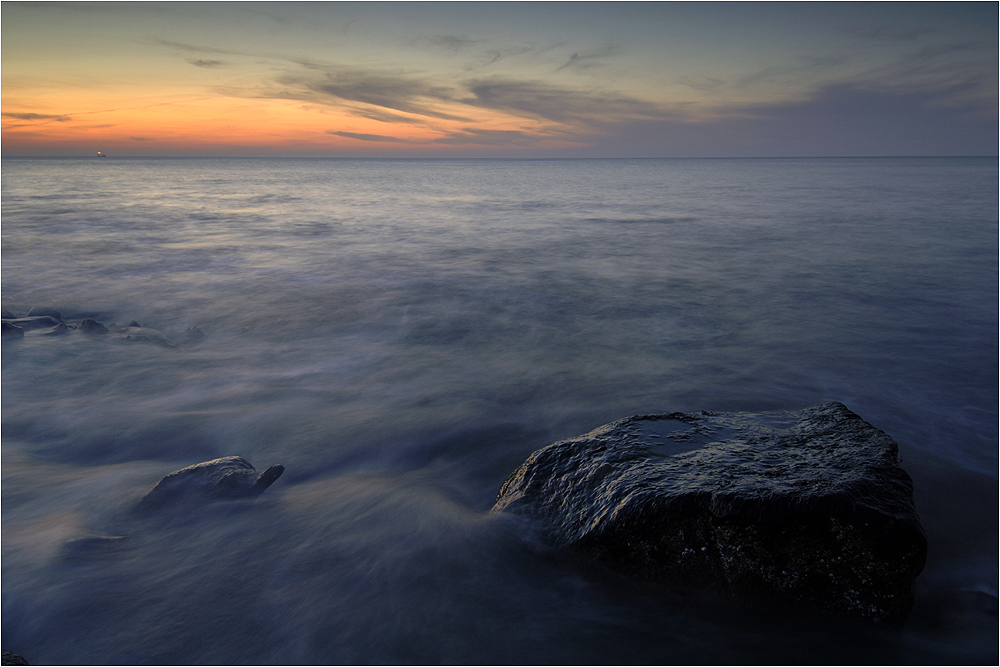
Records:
x=510, y=158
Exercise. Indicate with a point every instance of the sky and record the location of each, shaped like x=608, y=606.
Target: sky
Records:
x=525, y=79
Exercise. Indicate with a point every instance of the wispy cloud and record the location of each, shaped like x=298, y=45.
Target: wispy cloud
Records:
x=478, y=52
x=538, y=99
x=837, y=119
x=382, y=116
x=412, y=97
x=192, y=48
x=59, y=118
x=890, y=33
x=397, y=92
x=384, y=90
x=923, y=71
x=590, y=59
x=454, y=43
x=706, y=84
x=366, y=137
x=951, y=73
x=804, y=73
x=489, y=137
x=493, y=56
x=206, y=63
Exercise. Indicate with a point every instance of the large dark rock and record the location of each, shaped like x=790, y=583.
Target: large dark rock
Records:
x=810, y=507
x=12, y=659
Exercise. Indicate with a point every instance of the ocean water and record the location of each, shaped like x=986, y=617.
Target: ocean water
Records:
x=402, y=334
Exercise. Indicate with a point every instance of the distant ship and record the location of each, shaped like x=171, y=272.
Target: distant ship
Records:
x=100, y=154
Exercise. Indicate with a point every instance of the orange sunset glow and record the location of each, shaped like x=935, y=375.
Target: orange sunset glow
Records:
x=492, y=79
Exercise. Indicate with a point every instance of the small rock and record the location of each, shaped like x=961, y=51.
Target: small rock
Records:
x=133, y=323
x=228, y=477
x=93, y=327
x=193, y=336
x=134, y=334
x=58, y=330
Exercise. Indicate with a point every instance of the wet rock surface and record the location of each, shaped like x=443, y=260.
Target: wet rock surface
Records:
x=810, y=507
x=12, y=659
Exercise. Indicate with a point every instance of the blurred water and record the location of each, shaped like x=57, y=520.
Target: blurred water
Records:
x=402, y=334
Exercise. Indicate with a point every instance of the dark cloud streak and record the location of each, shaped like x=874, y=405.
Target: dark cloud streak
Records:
x=195, y=49
x=209, y=64
x=367, y=137
x=383, y=116
x=489, y=138
x=590, y=59
x=385, y=90
x=59, y=118
x=563, y=105
x=890, y=33
x=453, y=43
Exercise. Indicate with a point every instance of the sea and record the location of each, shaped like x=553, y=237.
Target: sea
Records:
x=401, y=334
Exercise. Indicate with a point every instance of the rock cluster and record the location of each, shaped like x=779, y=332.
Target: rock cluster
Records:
x=810, y=507
x=49, y=322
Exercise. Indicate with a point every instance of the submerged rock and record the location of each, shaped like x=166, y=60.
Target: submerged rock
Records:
x=137, y=334
x=809, y=506
x=58, y=330
x=228, y=477
x=11, y=329
x=35, y=322
x=193, y=336
x=42, y=321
